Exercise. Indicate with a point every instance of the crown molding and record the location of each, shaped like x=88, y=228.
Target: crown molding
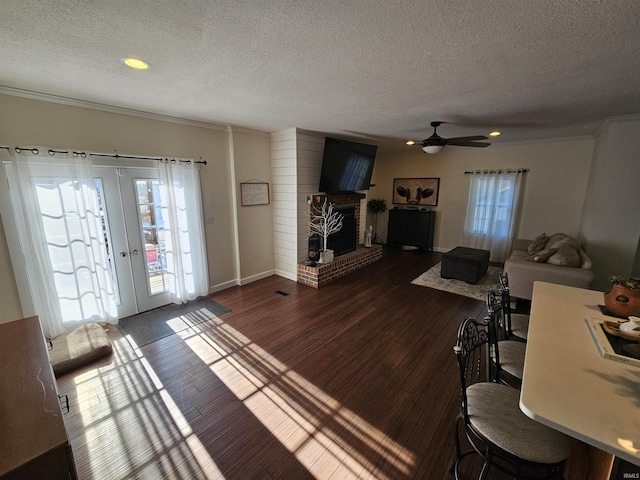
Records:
x=45, y=97
x=248, y=131
x=612, y=120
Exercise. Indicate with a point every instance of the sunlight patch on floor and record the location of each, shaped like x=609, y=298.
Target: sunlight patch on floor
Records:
x=326, y=435
x=163, y=441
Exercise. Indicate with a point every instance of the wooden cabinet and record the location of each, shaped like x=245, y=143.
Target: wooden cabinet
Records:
x=34, y=441
x=411, y=227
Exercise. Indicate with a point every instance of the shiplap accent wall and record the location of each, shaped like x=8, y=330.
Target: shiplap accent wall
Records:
x=285, y=215
x=296, y=159
x=310, y=149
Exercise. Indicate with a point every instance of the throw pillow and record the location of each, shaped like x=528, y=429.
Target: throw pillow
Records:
x=566, y=240
x=555, y=238
x=542, y=256
x=566, y=256
x=538, y=244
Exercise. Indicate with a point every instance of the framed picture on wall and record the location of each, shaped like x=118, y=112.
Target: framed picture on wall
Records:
x=416, y=191
x=254, y=193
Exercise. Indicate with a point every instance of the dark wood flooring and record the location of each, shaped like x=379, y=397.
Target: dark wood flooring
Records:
x=355, y=380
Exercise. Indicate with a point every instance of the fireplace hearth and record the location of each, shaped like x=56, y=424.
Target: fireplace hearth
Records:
x=323, y=273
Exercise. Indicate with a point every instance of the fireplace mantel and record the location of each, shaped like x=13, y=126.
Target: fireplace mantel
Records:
x=339, y=199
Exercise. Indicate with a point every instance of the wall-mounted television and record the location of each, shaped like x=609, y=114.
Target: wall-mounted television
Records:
x=346, y=166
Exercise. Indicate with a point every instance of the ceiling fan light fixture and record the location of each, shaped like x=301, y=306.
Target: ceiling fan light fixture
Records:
x=136, y=63
x=432, y=148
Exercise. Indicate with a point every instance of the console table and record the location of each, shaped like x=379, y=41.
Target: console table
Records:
x=34, y=441
x=411, y=227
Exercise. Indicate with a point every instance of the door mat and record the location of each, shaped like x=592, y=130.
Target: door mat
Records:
x=148, y=327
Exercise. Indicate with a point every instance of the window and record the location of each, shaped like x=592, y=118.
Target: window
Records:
x=491, y=211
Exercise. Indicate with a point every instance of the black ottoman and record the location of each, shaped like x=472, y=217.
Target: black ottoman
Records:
x=466, y=264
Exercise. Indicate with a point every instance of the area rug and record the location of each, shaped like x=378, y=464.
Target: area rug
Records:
x=431, y=278
x=158, y=323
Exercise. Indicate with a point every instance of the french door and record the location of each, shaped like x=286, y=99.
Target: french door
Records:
x=90, y=239
x=134, y=231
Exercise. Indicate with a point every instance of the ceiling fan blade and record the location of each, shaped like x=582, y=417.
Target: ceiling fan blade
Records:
x=468, y=144
x=467, y=139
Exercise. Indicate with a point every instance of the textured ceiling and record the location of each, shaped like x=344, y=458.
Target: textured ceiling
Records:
x=380, y=68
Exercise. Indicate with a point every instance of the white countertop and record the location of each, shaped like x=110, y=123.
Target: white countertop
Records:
x=568, y=385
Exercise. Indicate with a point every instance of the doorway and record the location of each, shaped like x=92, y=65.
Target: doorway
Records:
x=134, y=233
x=102, y=238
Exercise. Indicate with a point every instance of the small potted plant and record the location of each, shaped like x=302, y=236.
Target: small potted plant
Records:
x=376, y=206
x=623, y=300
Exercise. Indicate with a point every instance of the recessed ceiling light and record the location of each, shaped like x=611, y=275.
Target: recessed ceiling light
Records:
x=135, y=63
x=494, y=134
x=410, y=142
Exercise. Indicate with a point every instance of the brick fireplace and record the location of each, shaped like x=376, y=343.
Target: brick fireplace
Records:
x=360, y=257
x=345, y=240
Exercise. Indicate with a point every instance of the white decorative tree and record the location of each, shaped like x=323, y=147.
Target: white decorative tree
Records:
x=324, y=222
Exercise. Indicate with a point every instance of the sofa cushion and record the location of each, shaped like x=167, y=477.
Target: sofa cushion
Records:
x=543, y=255
x=538, y=244
x=565, y=256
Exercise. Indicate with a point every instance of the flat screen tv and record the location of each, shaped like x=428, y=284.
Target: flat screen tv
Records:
x=346, y=166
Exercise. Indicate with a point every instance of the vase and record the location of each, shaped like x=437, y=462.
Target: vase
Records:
x=326, y=256
x=622, y=302
x=368, y=236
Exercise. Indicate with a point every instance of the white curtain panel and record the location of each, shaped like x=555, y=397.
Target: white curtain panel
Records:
x=184, y=229
x=492, y=210
x=56, y=207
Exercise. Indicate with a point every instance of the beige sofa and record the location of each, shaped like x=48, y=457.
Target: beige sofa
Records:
x=522, y=271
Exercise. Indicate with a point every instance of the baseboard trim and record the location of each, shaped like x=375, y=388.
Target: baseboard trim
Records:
x=223, y=286
x=287, y=275
x=258, y=276
x=243, y=281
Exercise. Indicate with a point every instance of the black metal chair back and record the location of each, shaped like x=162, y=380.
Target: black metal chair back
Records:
x=471, y=351
x=505, y=301
x=506, y=355
x=515, y=327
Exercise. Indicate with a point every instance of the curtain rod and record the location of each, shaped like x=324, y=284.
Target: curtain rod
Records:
x=115, y=155
x=52, y=152
x=519, y=170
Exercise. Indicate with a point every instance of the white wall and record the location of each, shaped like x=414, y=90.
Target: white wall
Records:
x=255, y=222
x=611, y=217
x=635, y=271
x=25, y=122
x=554, y=188
x=11, y=308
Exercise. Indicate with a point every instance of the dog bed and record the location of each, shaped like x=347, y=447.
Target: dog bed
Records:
x=78, y=347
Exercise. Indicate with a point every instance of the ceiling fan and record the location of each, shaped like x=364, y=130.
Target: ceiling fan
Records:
x=435, y=142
